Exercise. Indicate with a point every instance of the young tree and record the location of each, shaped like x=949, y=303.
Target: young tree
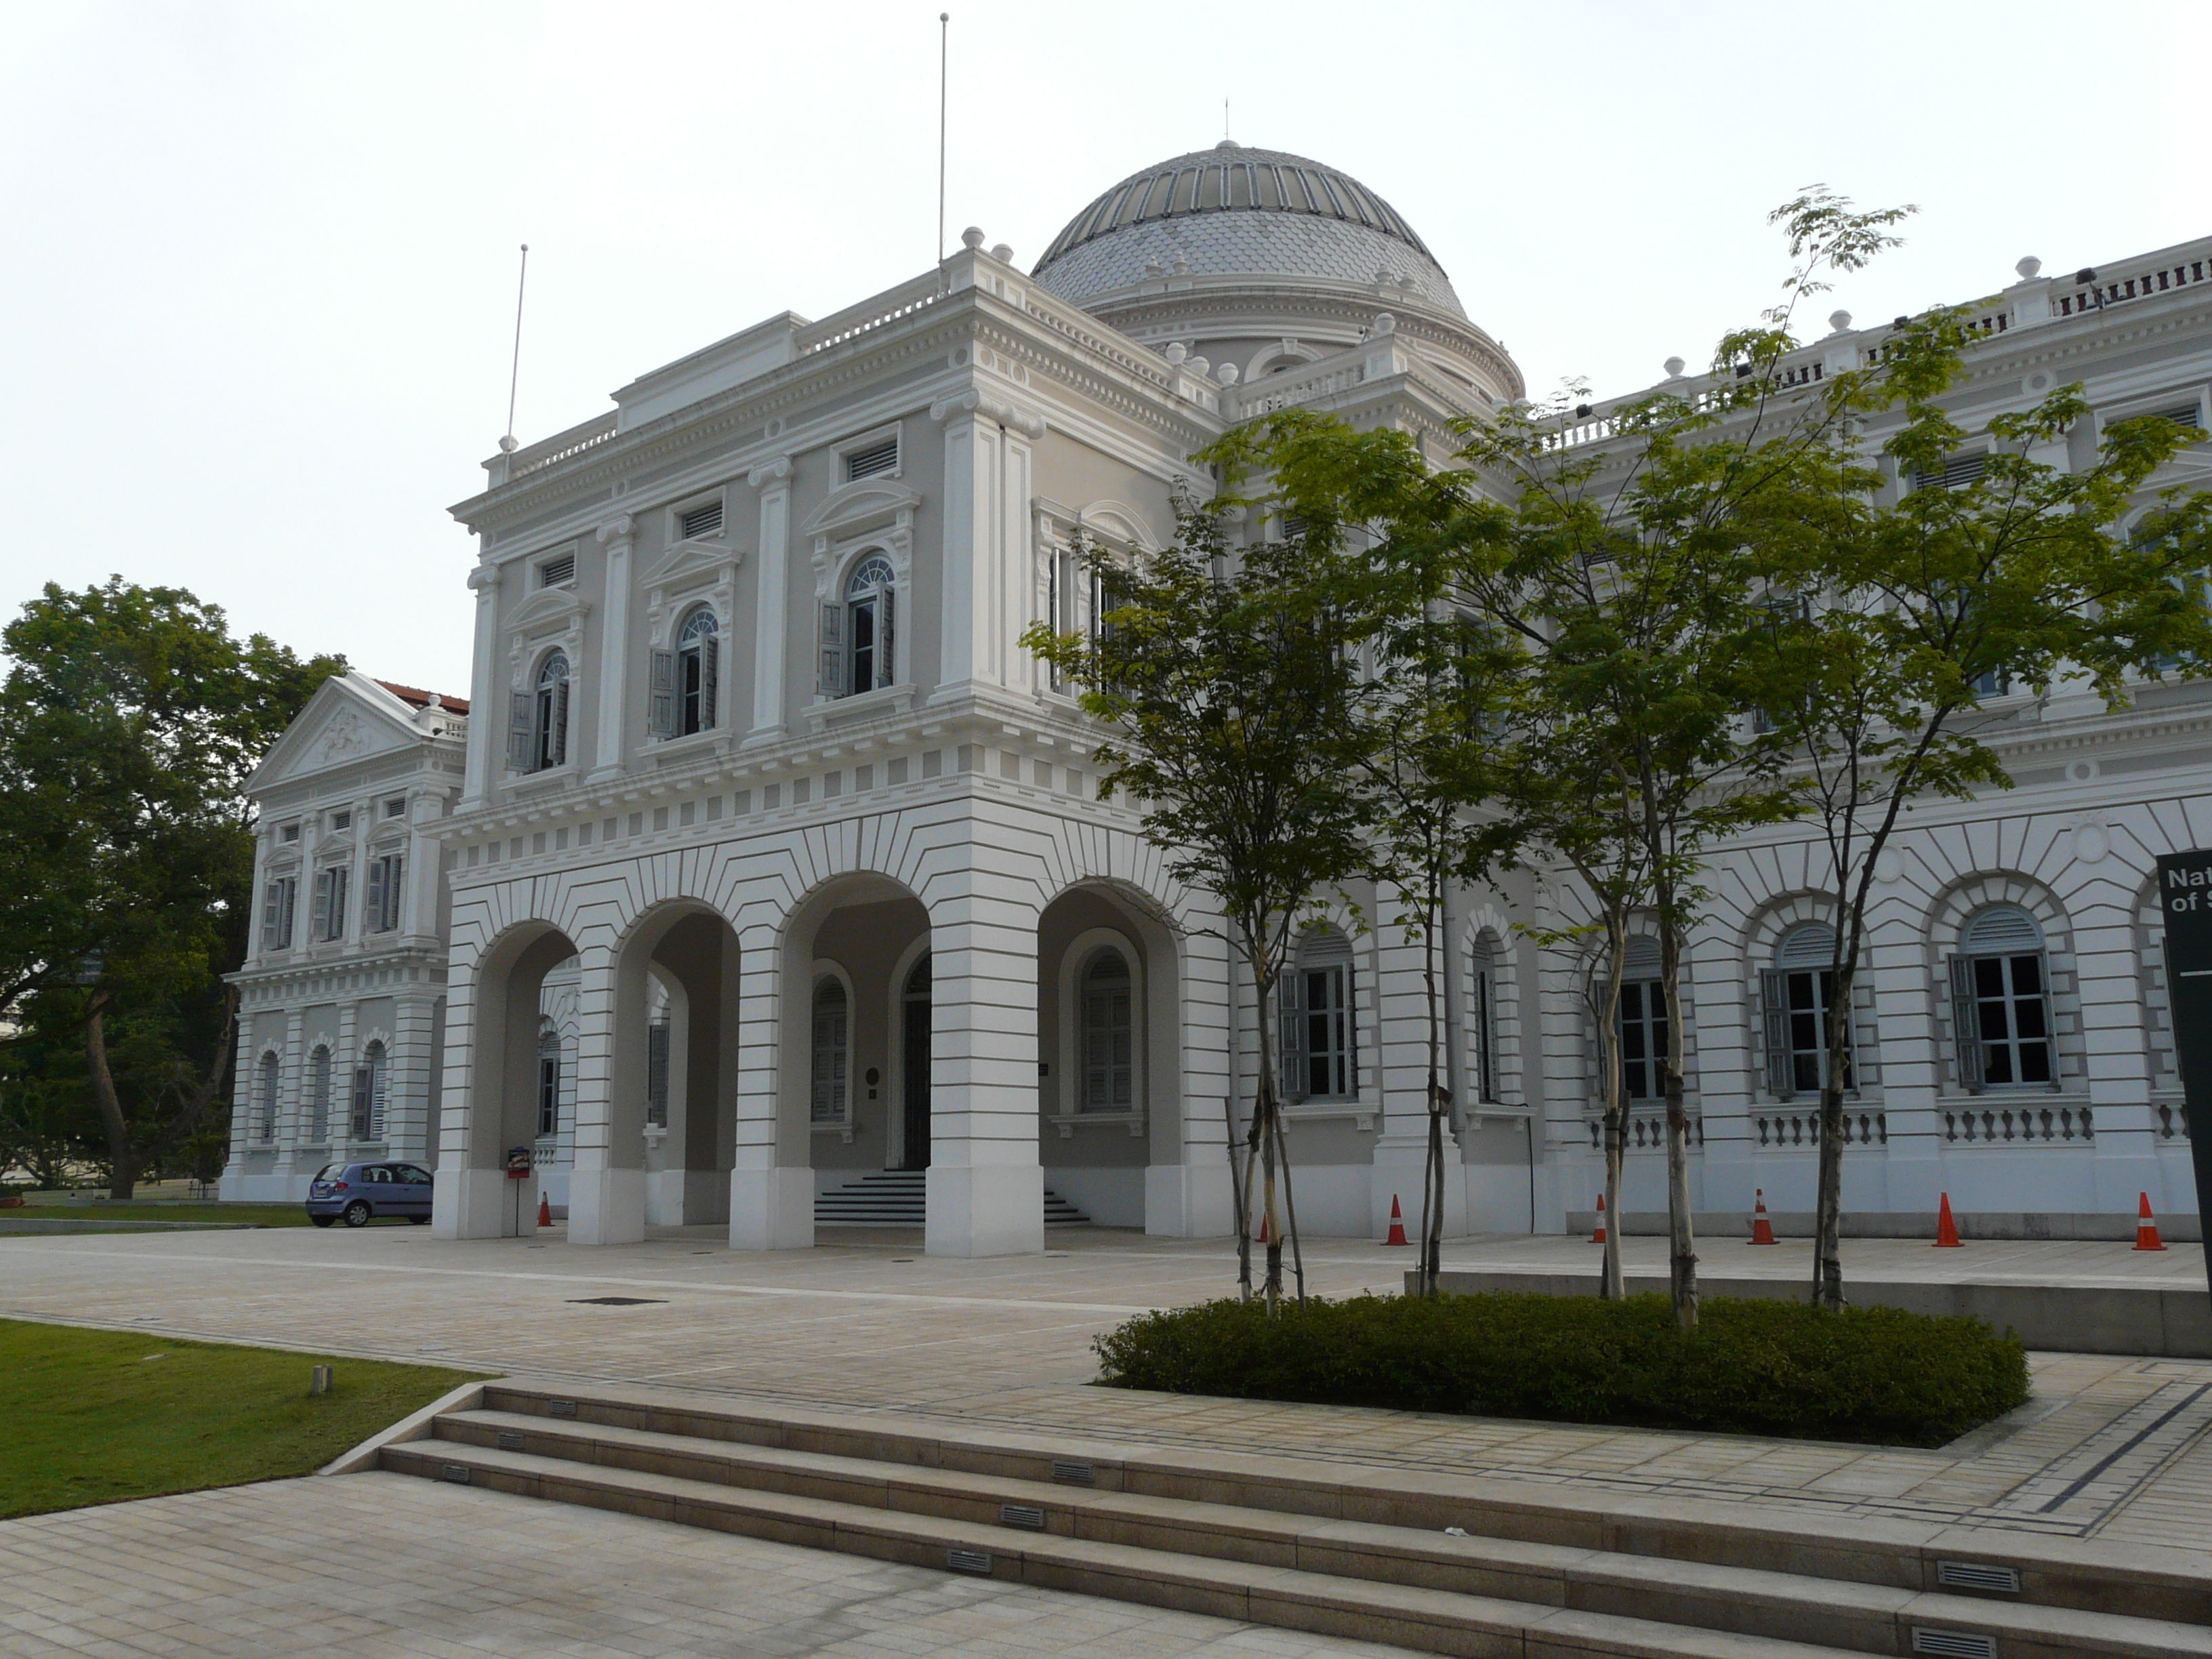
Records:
x=129, y=721
x=1225, y=677
x=1915, y=605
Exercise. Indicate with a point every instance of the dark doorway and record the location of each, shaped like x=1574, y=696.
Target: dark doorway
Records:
x=916, y=1066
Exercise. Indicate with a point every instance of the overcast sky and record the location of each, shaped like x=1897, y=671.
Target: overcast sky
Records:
x=257, y=261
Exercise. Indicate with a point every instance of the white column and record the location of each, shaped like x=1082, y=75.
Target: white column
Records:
x=1187, y=1185
x=345, y=1055
x=985, y=1188
x=771, y=597
x=487, y=722
x=614, y=647
x=771, y=1194
x=606, y=1188
x=407, y=1093
x=291, y=1102
x=971, y=463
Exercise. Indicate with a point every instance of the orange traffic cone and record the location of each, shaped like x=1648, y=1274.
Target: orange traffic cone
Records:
x=2147, y=1236
x=1947, y=1230
x=1762, y=1230
x=1598, y=1236
x=544, y=1210
x=1397, y=1226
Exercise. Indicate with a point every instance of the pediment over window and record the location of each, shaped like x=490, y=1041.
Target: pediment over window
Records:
x=693, y=564
x=549, y=610
x=1117, y=522
x=855, y=508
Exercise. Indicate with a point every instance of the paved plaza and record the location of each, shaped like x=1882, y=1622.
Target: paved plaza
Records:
x=2112, y=1448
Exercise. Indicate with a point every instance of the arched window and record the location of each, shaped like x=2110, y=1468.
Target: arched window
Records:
x=1643, y=1021
x=368, y=1084
x=687, y=681
x=264, y=1099
x=1795, y=992
x=318, y=1097
x=538, y=726
x=832, y=1053
x=2000, y=1023
x=1320, y=1058
x=549, y=1079
x=1109, y=1071
x=860, y=649
x=1482, y=1038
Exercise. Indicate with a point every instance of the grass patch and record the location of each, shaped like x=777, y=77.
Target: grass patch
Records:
x=262, y=1215
x=1878, y=1375
x=92, y=1418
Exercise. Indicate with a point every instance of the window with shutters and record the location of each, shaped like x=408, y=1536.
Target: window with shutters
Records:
x=832, y=1053
x=380, y=907
x=327, y=922
x=694, y=524
x=656, y=1074
x=871, y=458
x=538, y=725
x=265, y=1099
x=368, y=1088
x=549, y=1079
x=1320, y=1036
x=318, y=1096
x=1794, y=993
x=289, y=834
x=396, y=807
x=1643, y=1023
x=2000, y=1023
x=559, y=571
x=859, y=644
x=1109, y=1070
x=279, y=896
x=687, y=680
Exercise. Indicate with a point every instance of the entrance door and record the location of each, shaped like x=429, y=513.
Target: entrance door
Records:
x=916, y=1066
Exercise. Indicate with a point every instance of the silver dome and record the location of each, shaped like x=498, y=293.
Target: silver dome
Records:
x=1232, y=211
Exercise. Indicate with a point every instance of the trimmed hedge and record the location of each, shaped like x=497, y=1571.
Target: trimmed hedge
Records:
x=1759, y=1367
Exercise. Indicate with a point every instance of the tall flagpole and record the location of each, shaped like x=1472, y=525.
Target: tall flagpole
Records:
x=944, y=52
x=514, y=372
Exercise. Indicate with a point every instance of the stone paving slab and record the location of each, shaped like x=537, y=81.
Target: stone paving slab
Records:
x=2112, y=1446
x=380, y=1566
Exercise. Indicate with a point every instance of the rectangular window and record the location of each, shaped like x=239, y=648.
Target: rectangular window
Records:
x=289, y=834
x=1797, y=1031
x=341, y=821
x=876, y=458
x=695, y=522
x=558, y=571
x=1643, y=1038
x=380, y=910
x=549, y=1093
x=396, y=807
x=1319, y=1063
x=328, y=922
x=2001, y=1013
x=278, y=899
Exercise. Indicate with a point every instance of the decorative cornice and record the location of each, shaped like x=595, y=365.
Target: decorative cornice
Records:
x=974, y=401
x=777, y=471
x=616, y=529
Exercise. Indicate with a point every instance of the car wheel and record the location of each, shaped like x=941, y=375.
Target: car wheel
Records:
x=357, y=1213
x=322, y=1220
x=419, y=1220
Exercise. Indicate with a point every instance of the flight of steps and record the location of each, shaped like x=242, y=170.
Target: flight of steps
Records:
x=1445, y=1564
x=894, y=1198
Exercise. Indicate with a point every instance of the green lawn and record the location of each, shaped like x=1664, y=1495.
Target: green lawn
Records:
x=262, y=1215
x=93, y=1416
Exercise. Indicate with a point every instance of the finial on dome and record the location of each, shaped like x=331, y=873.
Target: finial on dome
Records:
x=1385, y=323
x=1154, y=268
x=1176, y=351
x=971, y=238
x=506, y=445
x=2028, y=267
x=1226, y=374
x=1197, y=365
x=1228, y=144
x=1674, y=368
x=1839, y=321
x=1180, y=267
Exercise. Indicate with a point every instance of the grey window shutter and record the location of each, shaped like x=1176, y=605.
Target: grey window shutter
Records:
x=1288, y=1003
x=833, y=650
x=371, y=910
x=318, y=921
x=340, y=881
x=886, y=639
x=392, y=885
x=272, y=904
x=519, y=756
x=557, y=752
x=291, y=898
x=663, y=713
x=1966, y=1024
x=710, y=680
x=1774, y=992
x=359, y=1115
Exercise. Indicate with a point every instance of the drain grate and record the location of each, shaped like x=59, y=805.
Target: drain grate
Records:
x=509, y=1440
x=1977, y=1575
x=968, y=1561
x=1954, y=1643
x=456, y=1472
x=1022, y=1515
x=616, y=1301
x=1074, y=1475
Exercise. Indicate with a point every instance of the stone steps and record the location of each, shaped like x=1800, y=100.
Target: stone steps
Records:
x=897, y=1198
x=1327, y=1549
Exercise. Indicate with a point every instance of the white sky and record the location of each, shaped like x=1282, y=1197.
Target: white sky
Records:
x=257, y=261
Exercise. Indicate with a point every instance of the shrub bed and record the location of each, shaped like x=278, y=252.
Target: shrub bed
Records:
x=1759, y=1367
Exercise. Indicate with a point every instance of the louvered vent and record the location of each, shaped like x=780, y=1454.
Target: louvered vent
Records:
x=968, y=1561
x=1954, y=474
x=2000, y=929
x=509, y=1440
x=876, y=458
x=560, y=1408
x=700, y=521
x=1977, y=1575
x=1026, y=1515
x=1074, y=1475
x=1954, y=1643
x=1810, y=944
x=456, y=1472
x=2186, y=416
x=557, y=573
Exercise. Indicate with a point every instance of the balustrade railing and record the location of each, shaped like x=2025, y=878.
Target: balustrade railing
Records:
x=2115, y=290
x=2171, y=1122
x=1646, y=1133
x=1996, y=1126
x=1782, y=1131
x=562, y=445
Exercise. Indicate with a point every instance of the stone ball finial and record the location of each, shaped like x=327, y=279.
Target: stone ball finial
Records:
x=1385, y=323
x=1176, y=351
x=1674, y=368
x=1226, y=374
x=971, y=238
x=508, y=446
x=1181, y=266
x=1003, y=253
x=2028, y=267
x=1840, y=320
x=1196, y=364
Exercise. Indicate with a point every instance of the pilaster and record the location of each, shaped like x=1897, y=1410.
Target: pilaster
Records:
x=771, y=600
x=614, y=647
x=487, y=722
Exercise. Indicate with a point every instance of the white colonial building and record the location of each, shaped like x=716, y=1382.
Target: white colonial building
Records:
x=778, y=865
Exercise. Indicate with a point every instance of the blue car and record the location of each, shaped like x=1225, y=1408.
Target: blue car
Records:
x=357, y=1193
